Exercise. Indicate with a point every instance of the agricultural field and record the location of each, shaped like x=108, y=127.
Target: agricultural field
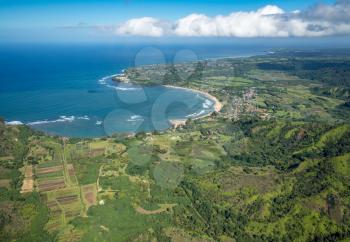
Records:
x=273, y=165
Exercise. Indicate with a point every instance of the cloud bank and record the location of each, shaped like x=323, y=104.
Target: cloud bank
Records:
x=269, y=21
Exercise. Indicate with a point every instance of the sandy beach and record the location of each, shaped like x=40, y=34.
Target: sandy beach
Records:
x=181, y=122
x=217, y=106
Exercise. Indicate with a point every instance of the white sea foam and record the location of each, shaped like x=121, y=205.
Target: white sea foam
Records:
x=99, y=122
x=85, y=117
x=121, y=88
x=40, y=122
x=103, y=81
x=207, y=104
x=135, y=118
x=14, y=123
x=61, y=119
x=195, y=115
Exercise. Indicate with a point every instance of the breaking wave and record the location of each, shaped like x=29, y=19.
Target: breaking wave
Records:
x=14, y=123
x=107, y=81
x=61, y=119
x=135, y=118
x=207, y=104
x=197, y=114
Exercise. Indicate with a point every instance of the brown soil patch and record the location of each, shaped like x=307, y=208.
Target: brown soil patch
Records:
x=53, y=226
x=28, y=182
x=47, y=170
x=28, y=185
x=52, y=204
x=28, y=173
x=51, y=185
x=4, y=158
x=5, y=183
x=88, y=188
x=72, y=213
x=55, y=212
x=90, y=198
x=67, y=199
x=90, y=194
x=70, y=169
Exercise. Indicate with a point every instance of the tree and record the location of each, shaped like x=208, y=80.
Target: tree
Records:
x=4, y=219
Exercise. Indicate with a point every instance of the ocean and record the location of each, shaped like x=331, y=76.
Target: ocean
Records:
x=65, y=89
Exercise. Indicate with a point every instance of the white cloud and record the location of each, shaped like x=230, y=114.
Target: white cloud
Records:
x=270, y=9
x=338, y=12
x=263, y=22
x=269, y=21
x=146, y=26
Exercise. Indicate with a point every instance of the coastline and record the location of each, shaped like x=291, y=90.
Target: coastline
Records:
x=122, y=77
x=217, y=106
x=175, y=123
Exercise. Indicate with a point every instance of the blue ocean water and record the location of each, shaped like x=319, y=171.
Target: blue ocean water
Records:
x=64, y=89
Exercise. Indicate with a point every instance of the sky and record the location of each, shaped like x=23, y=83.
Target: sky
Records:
x=94, y=20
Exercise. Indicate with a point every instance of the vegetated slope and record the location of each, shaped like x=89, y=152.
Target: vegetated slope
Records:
x=21, y=217
x=304, y=195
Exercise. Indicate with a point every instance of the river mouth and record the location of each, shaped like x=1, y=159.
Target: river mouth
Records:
x=124, y=108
